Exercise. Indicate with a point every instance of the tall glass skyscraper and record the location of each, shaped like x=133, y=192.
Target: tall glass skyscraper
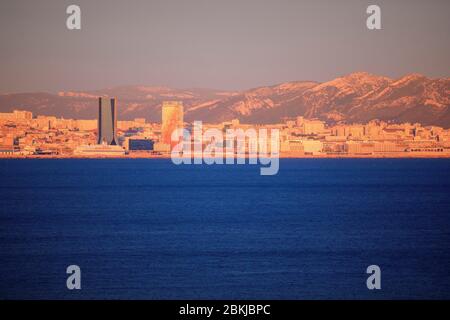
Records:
x=107, y=121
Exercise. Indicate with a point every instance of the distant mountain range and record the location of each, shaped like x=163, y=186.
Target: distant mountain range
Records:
x=357, y=97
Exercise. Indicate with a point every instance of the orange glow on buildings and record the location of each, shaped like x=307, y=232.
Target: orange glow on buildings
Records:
x=172, y=118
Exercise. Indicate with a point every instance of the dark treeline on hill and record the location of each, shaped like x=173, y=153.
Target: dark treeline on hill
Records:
x=357, y=97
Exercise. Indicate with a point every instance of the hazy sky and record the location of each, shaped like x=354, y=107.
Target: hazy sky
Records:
x=227, y=44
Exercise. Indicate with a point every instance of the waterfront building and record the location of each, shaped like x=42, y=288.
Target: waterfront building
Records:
x=312, y=147
x=161, y=147
x=140, y=145
x=97, y=150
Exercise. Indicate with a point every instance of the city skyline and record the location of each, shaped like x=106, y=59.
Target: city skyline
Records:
x=22, y=135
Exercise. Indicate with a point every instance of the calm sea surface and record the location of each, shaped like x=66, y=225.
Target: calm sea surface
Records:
x=147, y=229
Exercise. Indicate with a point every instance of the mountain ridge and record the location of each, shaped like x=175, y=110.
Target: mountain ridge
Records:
x=355, y=97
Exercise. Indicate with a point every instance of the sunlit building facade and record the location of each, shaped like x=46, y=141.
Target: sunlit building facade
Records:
x=172, y=118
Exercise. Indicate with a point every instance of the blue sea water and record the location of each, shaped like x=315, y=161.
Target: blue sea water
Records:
x=147, y=229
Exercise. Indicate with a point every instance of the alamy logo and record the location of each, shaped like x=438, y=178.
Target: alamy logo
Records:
x=374, y=280
x=74, y=280
x=235, y=147
x=373, y=22
x=73, y=21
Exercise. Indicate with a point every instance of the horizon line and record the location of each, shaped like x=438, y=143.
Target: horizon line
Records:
x=218, y=89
